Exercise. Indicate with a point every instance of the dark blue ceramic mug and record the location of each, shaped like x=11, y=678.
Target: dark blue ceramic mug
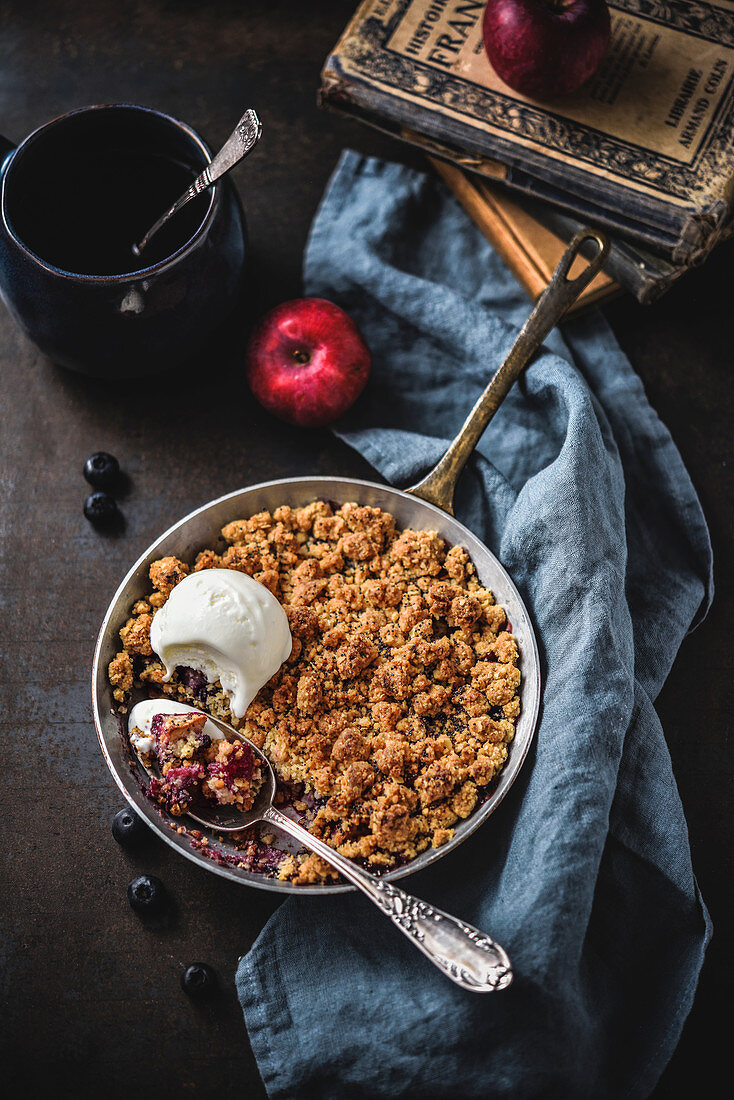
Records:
x=75, y=196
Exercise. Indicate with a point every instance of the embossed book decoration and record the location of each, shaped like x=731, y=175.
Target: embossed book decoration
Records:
x=646, y=148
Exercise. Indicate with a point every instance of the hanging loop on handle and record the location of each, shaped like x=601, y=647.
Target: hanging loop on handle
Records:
x=439, y=485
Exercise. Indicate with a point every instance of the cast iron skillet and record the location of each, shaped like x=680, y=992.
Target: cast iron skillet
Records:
x=426, y=506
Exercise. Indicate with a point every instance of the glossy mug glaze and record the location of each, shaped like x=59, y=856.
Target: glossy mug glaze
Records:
x=107, y=324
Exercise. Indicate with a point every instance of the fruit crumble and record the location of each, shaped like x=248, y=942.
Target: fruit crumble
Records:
x=399, y=698
x=196, y=768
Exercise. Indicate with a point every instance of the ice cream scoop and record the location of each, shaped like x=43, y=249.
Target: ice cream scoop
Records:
x=227, y=626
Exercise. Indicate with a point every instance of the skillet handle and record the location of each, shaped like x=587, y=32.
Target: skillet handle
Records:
x=438, y=486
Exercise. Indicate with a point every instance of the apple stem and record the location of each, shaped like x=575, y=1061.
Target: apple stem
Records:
x=301, y=356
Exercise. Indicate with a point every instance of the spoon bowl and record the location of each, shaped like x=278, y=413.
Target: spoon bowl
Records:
x=227, y=819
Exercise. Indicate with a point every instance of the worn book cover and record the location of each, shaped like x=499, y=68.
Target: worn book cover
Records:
x=645, y=148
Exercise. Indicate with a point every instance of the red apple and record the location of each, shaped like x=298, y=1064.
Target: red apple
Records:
x=546, y=48
x=307, y=362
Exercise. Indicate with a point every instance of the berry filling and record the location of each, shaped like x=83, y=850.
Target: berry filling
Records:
x=239, y=765
x=193, y=767
x=179, y=789
x=194, y=681
x=232, y=774
x=178, y=737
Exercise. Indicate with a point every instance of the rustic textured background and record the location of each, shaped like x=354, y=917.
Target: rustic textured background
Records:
x=92, y=999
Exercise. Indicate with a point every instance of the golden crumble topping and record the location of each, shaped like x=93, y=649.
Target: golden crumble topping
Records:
x=401, y=692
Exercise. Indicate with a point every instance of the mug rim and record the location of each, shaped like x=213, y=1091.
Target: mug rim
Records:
x=137, y=273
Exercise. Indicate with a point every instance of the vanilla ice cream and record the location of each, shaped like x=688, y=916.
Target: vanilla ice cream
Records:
x=226, y=625
x=142, y=714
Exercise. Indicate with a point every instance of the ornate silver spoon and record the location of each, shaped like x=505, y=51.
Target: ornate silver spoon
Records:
x=469, y=957
x=241, y=141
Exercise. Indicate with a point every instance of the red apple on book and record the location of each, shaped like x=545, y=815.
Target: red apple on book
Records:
x=546, y=48
x=307, y=362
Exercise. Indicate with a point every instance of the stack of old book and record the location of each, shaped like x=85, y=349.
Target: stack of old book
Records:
x=645, y=150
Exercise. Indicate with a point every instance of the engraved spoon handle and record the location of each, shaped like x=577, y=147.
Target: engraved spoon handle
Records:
x=241, y=141
x=438, y=486
x=464, y=954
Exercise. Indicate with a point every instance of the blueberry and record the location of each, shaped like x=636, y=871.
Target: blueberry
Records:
x=100, y=508
x=199, y=980
x=102, y=470
x=146, y=894
x=127, y=827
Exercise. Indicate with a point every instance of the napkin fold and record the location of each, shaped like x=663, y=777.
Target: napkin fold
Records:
x=584, y=872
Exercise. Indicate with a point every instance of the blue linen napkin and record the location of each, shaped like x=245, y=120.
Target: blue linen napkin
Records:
x=584, y=872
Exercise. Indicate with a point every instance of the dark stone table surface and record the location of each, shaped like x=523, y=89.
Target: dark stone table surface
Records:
x=92, y=1004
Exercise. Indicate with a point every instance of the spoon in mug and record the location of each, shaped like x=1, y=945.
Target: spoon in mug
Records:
x=464, y=954
x=241, y=141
